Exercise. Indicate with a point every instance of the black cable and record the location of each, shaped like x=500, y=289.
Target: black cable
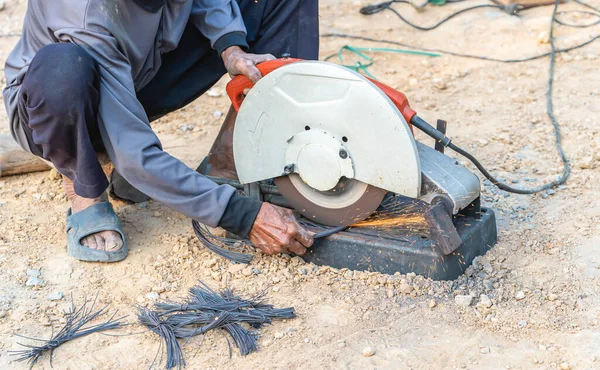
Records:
x=376, y=8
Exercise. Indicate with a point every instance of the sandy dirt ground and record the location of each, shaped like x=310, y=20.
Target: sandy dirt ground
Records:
x=536, y=293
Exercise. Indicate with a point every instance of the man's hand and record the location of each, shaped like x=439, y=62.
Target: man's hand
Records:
x=238, y=62
x=276, y=230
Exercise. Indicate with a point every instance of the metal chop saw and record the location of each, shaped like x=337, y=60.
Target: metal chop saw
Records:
x=338, y=147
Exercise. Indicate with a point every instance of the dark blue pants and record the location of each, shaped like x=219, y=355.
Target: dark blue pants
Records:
x=60, y=118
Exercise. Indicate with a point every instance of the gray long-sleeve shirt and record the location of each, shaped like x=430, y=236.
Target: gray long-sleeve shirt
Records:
x=127, y=42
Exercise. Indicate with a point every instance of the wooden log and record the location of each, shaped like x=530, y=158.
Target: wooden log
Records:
x=15, y=161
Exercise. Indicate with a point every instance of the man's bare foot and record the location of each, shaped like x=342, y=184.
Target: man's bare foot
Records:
x=109, y=240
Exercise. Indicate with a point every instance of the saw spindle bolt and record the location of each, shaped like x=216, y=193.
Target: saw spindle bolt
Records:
x=288, y=169
x=343, y=154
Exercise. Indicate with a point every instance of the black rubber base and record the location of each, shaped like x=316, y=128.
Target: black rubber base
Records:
x=404, y=251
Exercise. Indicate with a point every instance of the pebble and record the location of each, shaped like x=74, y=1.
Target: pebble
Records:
x=156, y=214
x=522, y=323
x=45, y=321
x=3, y=314
x=341, y=343
x=56, y=296
x=484, y=350
x=153, y=296
x=278, y=335
x=368, y=351
x=565, y=366
x=303, y=271
x=34, y=273
x=520, y=295
x=439, y=83
x=34, y=281
x=213, y=93
x=248, y=271
x=432, y=303
x=552, y=297
x=543, y=37
x=413, y=82
x=484, y=301
x=463, y=300
x=551, y=191
x=406, y=288
x=218, y=114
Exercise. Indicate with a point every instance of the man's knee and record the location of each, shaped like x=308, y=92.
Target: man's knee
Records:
x=61, y=76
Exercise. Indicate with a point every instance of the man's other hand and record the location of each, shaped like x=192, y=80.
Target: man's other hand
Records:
x=276, y=230
x=238, y=62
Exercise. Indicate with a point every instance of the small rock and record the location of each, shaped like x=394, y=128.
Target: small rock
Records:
x=53, y=174
x=463, y=300
x=248, y=271
x=156, y=214
x=153, y=296
x=551, y=191
x=303, y=271
x=439, y=83
x=2, y=5
x=484, y=301
x=406, y=288
x=485, y=350
x=218, y=114
x=45, y=321
x=413, y=82
x=565, y=366
x=57, y=296
x=306, y=340
x=278, y=335
x=543, y=38
x=368, y=351
x=522, y=323
x=34, y=281
x=542, y=347
x=432, y=303
x=390, y=293
x=3, y=314
x=34, y=273
x=341, y=343
x=348, y=275
x=520, y=295
x=175, y=248
x=552, y=297
x=213, y=93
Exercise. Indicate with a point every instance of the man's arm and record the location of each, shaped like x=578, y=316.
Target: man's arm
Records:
x=221, y=22
x=136, y=150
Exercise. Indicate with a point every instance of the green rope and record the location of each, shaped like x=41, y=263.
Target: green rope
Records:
x=361, y=66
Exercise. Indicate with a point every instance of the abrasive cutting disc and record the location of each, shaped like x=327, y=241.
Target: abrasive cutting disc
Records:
x=350, y=202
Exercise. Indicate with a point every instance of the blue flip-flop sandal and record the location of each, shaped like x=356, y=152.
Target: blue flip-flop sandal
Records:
x=99, y=217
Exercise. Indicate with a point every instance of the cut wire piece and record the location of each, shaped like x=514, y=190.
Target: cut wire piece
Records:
x=75, y=327
x=205, y=310
x=212, y=241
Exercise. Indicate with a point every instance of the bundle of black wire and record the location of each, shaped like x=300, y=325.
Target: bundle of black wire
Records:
x=206, y=310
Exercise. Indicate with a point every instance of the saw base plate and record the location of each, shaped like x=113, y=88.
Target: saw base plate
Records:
x=389, y=249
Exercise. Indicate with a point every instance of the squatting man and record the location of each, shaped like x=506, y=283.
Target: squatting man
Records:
x=88, y=77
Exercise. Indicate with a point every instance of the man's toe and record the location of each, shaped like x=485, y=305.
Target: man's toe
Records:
x=100, y=241
x=113, y=241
